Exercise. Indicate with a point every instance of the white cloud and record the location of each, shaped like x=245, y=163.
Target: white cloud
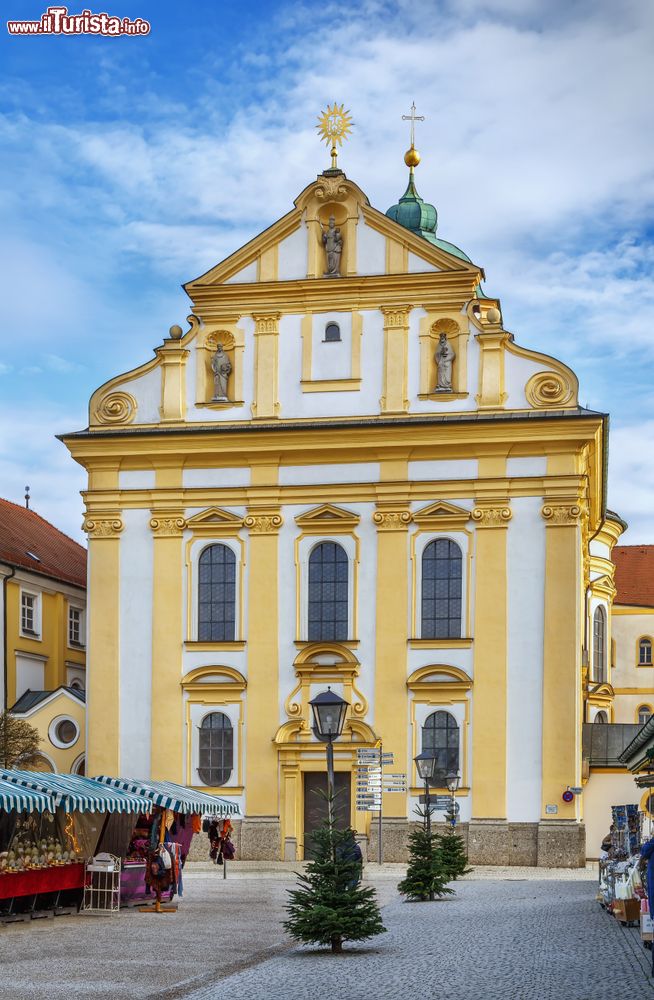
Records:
x=631, y=479
x=62, y=365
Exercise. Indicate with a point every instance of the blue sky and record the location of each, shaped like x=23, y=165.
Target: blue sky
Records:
x=130, y=165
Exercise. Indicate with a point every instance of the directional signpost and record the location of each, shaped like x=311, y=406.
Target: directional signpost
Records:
x=372, y=783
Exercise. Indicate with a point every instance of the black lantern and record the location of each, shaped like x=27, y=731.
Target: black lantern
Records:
x=453, y=780
x=328, y=714
x=426, y=765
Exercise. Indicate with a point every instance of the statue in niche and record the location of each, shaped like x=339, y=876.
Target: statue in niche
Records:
x=444, y=357
x=333, y=244
x=221, y=367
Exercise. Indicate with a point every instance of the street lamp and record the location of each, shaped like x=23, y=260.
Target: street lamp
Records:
x=328, y=719
x=426, y=767
x=453, y=781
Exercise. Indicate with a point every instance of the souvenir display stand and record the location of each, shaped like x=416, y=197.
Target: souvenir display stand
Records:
x=621, y=888
x=49, y=825
x=161, y=838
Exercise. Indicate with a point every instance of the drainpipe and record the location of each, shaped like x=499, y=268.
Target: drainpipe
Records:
x=5, y=670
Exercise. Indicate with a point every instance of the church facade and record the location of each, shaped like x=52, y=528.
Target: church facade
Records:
x=346, y=473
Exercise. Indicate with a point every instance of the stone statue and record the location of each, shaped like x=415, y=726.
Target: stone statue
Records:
x=444, y=357
x=333, y=244
x=221, y=367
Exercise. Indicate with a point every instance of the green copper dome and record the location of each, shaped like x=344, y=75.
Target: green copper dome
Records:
x=421, y=218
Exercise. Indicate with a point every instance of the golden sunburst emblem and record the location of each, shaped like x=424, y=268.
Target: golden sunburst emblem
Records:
x=333, y=127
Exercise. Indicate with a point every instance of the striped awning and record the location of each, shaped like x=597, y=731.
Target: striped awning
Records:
x=12, y=797
x=176, y=797
x=73, y=793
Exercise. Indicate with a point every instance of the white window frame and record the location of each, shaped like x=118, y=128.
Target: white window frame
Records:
x=196, y=713
x=81, y=642
x=198, y=545
x=52, y=732
x=36, y=614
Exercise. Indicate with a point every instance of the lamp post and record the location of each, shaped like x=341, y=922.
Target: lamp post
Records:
x=328, y=718
x=453, y=780
x=426, y=767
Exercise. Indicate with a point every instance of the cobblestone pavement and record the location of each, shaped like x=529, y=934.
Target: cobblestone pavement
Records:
x=496, y=940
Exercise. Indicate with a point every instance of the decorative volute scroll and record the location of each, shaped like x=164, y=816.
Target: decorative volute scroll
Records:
x=325, y=663
x=263, y=522
x=548, y=389
x=103, y=525
x=167, y=523
x=492, y=515
x=392, y=520
x=559, y=514
x=115, y=408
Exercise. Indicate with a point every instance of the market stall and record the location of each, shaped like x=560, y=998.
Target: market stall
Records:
x=175, y=815
x=50, y=824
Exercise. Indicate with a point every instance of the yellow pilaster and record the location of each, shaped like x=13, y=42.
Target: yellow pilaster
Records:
x=491, y=395
x=103, y=677
x=167, y=715
x=173, y=381
x=263, y=654
x=391, y=719
x=490, y=637
x=561, y=656
x=266, y=367
x=396, y=356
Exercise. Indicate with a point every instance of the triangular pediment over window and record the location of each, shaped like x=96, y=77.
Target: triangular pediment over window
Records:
x=441, y=514
x=214, y=518
x=328, y=516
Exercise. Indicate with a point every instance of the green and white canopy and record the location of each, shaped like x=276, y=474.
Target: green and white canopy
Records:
x=12, y=797
x=179, y=798
x=73, y=793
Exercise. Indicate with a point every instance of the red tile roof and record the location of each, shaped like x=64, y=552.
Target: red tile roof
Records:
x=634, y=574
x=25, y=534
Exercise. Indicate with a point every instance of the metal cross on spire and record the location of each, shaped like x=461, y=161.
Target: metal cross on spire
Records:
x=413, y=118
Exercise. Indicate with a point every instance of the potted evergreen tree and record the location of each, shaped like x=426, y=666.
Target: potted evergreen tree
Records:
x=426, y=877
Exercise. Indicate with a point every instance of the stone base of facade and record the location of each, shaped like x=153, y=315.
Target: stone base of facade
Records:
x=395, y=835
x=259, y=839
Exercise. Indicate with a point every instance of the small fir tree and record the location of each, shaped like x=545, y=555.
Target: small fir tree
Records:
x=19, y=742
x=426, y=877
x=330, y=907
x=453, y=855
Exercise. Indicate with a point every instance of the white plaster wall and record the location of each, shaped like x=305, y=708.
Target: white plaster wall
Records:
x=598, y=548
x=417, y=264
x=530, y=465
x=422, y=540
x=295, y=403
x=146, y=390
x=517, y=372
x=526, y=600
x=219, y=478
x=371, y=250
x=438, y=470
x=136, y=479
x=136, y=563
x=195, y=550
x=331, y=359
x=625, y=706
x=594, y=603
x=207, y=415
x=626, y=630
x=458, y=711
x=600, y=793
x=293, y=252
x=197, y=714
x=317, y=475
x=246, y=275
x=450, y=656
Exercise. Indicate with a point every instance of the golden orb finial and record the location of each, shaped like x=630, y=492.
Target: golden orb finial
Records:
x=412, y=157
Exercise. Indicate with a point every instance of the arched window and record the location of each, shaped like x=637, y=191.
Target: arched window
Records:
x=441, y=590
x=441, y=734
x=217, y=594
x=216, y=749
x=599, y=645
x=644, y=714
x=332, y=332
x=644, y=652
x=328, y=586
x=601, y=717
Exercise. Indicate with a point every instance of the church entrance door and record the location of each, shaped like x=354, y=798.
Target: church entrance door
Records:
x=315, y=803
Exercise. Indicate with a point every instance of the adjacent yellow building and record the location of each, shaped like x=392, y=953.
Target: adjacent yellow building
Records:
x=43, y=579
x=346, y=472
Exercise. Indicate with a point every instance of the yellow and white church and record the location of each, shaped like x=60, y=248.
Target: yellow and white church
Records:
x=347, y=473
